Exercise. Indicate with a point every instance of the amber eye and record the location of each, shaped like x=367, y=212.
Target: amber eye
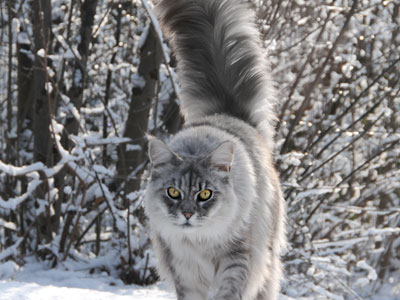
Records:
x=205, y=195
x=173, y=193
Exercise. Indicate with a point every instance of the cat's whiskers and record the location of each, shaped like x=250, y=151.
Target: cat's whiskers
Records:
x=216, y=174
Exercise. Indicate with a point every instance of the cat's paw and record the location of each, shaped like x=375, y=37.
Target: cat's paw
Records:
x=211, y=296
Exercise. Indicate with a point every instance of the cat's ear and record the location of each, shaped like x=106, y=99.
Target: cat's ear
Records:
x=159, y=152
x=222, y=157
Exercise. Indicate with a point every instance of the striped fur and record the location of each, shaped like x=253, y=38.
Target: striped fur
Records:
x=229, y=247
x=221, y=66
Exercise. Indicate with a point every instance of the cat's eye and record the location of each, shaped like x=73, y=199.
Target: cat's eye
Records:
x=205, y=195
x=173, y=193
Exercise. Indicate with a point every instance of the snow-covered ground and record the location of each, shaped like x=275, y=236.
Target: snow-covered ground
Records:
x=35, y=281
x=16, y=290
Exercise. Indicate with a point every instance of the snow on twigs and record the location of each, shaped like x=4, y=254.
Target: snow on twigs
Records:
x=79, y=196
x=19, y=171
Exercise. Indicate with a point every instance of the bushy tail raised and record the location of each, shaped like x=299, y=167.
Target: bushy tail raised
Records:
x=221, y=63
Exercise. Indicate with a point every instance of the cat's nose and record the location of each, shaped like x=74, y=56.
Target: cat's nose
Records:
x=188, y=215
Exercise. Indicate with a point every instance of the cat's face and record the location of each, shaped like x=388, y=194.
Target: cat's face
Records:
x=190, y=192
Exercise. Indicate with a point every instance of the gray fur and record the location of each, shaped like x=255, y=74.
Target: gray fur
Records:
x=221, y=65
x=228, y=246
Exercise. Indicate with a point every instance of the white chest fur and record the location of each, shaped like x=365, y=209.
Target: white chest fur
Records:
x=193, y=263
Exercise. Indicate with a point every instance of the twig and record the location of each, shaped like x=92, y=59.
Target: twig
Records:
x=305, y=174
x=145, y=268
x=128, y=232
x=109, y=78
x=58, y=147
x=157, y=29
x=318, y=76
x=376, y=79
x=367, y=161
x=75, y=228
x=300, y=75
x=78, y=240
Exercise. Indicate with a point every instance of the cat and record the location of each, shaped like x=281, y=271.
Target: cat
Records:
x=213, y=201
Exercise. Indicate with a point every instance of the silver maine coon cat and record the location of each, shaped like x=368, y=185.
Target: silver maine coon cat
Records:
x=214, y=201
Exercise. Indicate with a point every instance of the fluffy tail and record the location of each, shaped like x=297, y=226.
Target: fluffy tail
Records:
x=221, y=64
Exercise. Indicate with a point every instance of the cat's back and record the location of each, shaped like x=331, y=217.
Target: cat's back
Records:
x=254, y=141
x=228, y=241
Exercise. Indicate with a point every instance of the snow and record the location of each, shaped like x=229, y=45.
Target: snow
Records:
x=36, y=282
x=41, y=52
x=338, y=252
x=23, y=38
x=32, y=291
x=18, y=171
x=8, y=225
x=73, y=280
x=12, y=203
x=371, y=271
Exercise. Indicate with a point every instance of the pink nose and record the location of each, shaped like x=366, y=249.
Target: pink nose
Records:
x=187, y=215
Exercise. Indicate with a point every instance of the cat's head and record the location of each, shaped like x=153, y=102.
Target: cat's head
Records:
x=190, y=186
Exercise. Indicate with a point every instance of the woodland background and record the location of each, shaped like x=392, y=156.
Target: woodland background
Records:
x=82, y=81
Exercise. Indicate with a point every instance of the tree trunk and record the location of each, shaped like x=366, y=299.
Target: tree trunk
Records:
x=88, y=11
x=132, y=157
x=41, y=101
x=24, y=82
x=171, y=116
x=107, y=94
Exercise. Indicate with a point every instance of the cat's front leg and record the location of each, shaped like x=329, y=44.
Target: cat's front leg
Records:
x=187, y=294
x=231, y=277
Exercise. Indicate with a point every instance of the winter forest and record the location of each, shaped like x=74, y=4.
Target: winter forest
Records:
x=83, y=81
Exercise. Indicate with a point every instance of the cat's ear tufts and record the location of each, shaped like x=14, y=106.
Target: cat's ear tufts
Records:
x=222, y=157
x=159, y=152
